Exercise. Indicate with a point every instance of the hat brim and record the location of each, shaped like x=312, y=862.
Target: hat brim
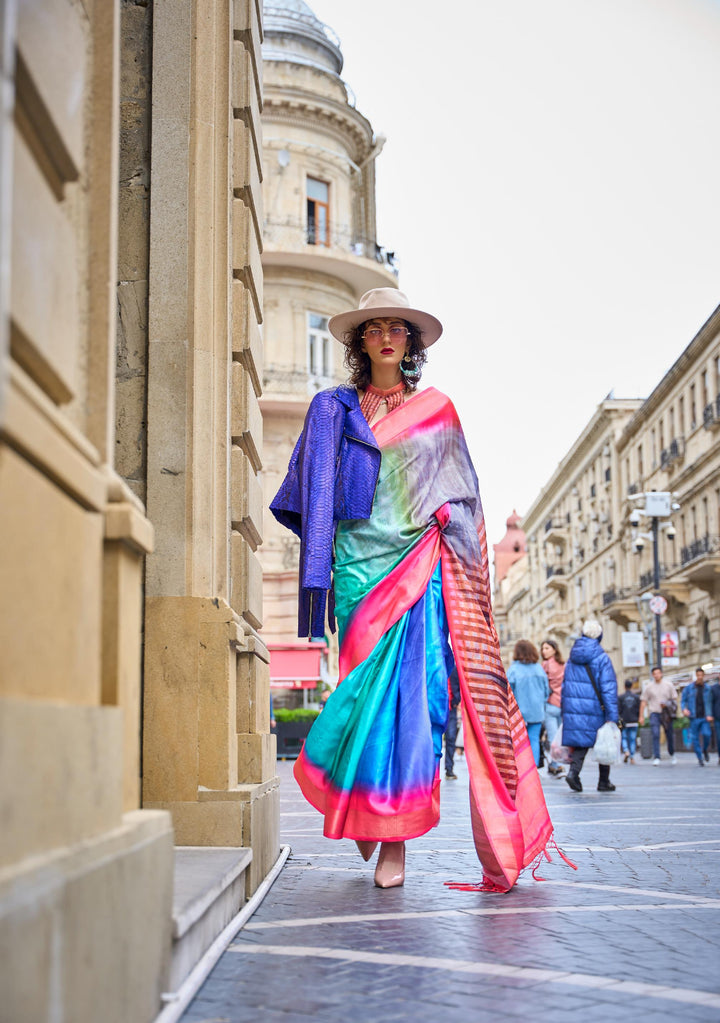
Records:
x=430, y=327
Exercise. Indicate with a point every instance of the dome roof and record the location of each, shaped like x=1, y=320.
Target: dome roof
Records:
x=293, y=33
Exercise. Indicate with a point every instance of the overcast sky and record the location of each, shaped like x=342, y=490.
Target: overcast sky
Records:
x=551, y=184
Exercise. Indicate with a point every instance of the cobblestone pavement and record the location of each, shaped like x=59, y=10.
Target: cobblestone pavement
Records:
x=635, y=932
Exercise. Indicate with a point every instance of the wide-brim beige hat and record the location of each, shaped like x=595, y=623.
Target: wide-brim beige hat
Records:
x=386, y=302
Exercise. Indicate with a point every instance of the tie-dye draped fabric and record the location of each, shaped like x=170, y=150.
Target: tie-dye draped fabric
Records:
x=408, y=580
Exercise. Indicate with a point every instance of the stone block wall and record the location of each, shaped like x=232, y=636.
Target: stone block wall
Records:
x=85, y=875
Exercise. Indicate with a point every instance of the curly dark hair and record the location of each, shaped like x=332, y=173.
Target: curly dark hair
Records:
x=358, y=362
x=525, y=652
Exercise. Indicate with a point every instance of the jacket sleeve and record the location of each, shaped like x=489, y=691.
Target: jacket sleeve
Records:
x=305, y=503
x=608, y=687
x=684, y=699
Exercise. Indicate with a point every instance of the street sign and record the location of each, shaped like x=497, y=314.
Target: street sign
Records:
x=669, y=646
x=633, y=649
x=658, y=504
x=657, y=604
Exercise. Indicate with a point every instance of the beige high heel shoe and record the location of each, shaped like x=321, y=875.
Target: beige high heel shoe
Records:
x=366, y=848
x=390, y=869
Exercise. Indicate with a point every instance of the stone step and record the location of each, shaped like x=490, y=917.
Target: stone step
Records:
x=209, y=891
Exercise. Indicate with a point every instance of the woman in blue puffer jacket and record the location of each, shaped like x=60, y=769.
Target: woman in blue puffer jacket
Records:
x=582, y=712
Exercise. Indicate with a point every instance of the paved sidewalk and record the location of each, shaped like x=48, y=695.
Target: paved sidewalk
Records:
x=635, y=933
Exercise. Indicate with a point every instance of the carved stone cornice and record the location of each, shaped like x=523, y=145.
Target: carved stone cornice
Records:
x=340, y=121
x=702, y=340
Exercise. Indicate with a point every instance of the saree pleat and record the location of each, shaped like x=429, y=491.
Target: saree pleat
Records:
x=412, y=594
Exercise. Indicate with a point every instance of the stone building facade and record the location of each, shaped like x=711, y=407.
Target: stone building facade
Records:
x=320, y=255
x=583, y=556
x=134, y=685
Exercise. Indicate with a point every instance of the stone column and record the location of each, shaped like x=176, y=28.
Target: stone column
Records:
x=208, y=754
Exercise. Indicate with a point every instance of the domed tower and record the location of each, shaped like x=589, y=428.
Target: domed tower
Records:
x=510, y=549
x=320, y=255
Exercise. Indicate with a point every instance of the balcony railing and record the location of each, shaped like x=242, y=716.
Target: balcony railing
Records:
x=673, y=452
x=648, y=578
x=554, y=524
x=696, y=549
x=294, y=232
x=290, y=381
x=711, y=414
x=553, y=570
x=614, y=594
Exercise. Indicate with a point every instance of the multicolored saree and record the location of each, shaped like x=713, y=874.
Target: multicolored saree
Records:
x=412, y=594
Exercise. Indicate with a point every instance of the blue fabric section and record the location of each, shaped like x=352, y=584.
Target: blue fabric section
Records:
x=381, y=730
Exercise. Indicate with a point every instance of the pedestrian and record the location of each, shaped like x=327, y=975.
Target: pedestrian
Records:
x=451, y=729
x=530, y=684
x=554, y=667
x=383, y=495
x=697, y=702
x=715, y=694
x=659, y=698
x=589, y=699
x=629, y=711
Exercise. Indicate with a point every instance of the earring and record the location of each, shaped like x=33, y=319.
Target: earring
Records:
x=408, y=367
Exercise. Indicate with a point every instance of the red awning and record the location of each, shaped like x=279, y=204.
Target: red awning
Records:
x=296, y=667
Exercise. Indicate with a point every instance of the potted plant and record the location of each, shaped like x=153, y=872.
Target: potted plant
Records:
x=292, y=727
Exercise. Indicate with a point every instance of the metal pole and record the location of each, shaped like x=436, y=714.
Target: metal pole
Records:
x=656, y=585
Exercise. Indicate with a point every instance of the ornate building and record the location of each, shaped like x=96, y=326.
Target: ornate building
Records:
x=585, y=557
x=571, y=531
x=320, y=255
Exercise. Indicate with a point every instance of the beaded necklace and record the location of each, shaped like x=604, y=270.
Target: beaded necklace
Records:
x=374, y=398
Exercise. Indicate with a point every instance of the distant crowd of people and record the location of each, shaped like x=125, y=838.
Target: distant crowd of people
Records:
x=573, y=699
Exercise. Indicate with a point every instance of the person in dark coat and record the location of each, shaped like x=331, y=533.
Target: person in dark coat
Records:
x=715, y=694
x=582, y=711
x=451, y=729
x=629, y=708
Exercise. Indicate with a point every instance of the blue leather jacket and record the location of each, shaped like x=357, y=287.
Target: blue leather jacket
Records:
x=332, y=475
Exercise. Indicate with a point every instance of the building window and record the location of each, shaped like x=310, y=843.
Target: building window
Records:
x=319, y=350
x=681, y=416
x=705, y=631
x=641, y=470
x=318, y=212
x=693, y=416
x=653, y=446
x=705, y=389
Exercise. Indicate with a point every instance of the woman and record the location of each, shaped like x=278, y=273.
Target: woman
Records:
x=589, y=699
x=382, y=493
x=530, y=685
x=554, y=667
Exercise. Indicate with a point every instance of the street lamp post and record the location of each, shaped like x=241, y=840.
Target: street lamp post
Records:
x=658, y=507
x=656, y=589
